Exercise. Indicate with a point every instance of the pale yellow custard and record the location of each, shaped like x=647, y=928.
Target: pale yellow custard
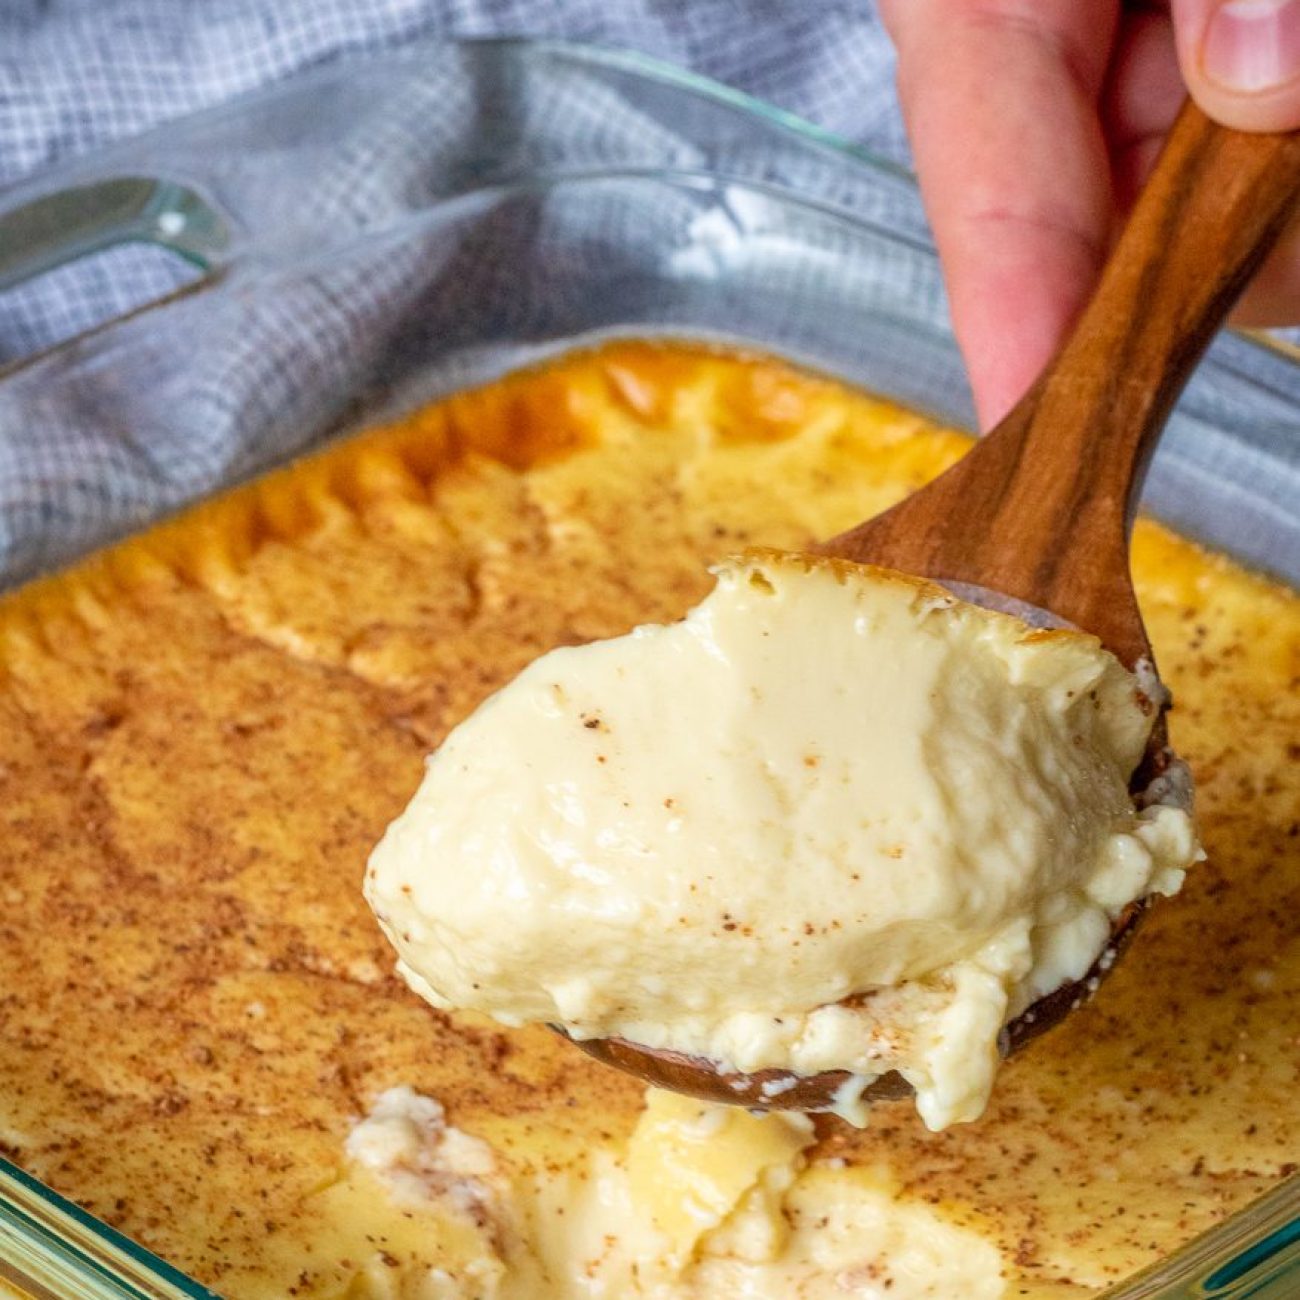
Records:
x=704, y=1202
x=827, y=782
x=206, y=730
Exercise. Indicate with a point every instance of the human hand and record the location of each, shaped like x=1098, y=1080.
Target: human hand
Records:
x=1033, y=124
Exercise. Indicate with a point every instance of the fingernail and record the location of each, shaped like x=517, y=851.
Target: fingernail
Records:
x=1253, y=45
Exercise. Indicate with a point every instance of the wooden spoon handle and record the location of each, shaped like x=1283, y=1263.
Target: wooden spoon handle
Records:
x=1211, y=211
x=1041, y=508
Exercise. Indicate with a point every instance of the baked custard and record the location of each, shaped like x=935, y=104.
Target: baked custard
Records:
x=835, y=819
x=206, y=729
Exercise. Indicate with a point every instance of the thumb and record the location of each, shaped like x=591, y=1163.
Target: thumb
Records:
x=1241, y=60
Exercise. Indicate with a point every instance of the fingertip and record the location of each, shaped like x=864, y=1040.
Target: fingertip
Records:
x=1010, y=315
x=1241, y=60
x=994, y=397
x=1002, y=369
x=1001, y=362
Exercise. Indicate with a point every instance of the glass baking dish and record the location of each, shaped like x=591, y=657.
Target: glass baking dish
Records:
x=368, y=237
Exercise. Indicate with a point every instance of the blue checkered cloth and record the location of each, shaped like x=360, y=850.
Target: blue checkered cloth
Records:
x=77, y=75
x=264, y=370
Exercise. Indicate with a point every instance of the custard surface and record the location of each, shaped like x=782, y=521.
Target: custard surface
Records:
x=206, y=729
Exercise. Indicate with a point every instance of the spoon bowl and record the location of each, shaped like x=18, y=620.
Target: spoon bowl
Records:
x=766, y=1090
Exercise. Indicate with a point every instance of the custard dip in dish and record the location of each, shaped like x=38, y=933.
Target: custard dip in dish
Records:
x=207, y=729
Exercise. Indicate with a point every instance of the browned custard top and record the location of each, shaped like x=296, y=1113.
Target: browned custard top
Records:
x=205, y=730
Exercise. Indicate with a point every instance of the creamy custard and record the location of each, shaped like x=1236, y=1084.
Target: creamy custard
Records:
x=704, y=1201
x=205, y=731
x=828, y=781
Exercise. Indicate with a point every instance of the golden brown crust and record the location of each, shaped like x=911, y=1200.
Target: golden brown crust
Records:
x=206, y=728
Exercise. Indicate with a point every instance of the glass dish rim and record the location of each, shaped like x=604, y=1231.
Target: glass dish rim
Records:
x=802, y=128
x=646, y=66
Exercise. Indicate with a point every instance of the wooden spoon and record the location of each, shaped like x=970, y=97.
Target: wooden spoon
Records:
x=1040, y=510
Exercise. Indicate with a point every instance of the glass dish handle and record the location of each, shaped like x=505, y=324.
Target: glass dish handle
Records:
x=45, y=232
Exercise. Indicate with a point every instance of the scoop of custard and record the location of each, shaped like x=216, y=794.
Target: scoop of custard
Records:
x=828, y=781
